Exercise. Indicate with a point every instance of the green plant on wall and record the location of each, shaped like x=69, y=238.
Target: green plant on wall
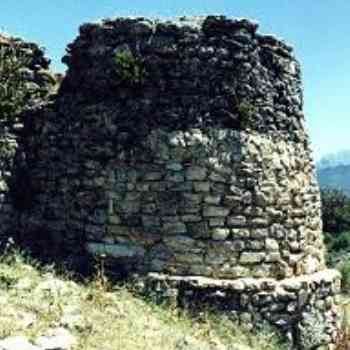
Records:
x=130, y=69
x=245, y=109
x=14, y=92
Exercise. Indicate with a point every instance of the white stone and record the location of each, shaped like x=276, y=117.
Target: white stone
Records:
x=251, y=258
x=220, y=234
x=17, y=343
x=58, y=339
x=271, y=244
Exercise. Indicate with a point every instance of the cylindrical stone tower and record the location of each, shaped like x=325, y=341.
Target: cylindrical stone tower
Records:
x=179, y=148
x=211, y=173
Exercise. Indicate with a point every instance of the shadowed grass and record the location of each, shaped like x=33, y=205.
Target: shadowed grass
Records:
x=102, y=315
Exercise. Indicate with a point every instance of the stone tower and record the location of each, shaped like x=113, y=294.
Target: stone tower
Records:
x=178, y=148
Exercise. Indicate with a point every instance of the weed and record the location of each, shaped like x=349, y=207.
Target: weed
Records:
x=343, y=336
x=130, y=69
x=110, y=316
x=345, y=271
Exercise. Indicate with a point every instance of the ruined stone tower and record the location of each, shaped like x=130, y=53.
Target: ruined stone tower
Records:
x=178, y=148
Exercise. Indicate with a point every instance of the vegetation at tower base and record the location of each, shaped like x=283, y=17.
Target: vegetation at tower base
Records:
x=47, y=307
x=336, y=227
x=177, y=150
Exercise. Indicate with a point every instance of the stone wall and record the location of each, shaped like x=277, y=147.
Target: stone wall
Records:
x=303, y=308
x=213, y=202
x=36, y=83
x=178, y=148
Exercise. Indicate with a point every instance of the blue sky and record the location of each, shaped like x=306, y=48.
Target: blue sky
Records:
x=318, y=29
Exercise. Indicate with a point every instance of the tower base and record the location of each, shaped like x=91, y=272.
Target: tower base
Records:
x=303, y=308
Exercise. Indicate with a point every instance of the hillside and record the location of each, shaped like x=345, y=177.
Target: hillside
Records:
x=337, y=177
x=332, y=160
x=42, y=307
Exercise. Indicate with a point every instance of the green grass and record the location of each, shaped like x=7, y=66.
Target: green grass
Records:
x=102, y=315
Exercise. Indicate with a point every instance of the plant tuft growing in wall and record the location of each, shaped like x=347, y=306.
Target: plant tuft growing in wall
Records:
x=130, y=69
x=14, y=91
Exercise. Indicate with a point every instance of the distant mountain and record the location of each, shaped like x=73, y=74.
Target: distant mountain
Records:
x=335, y=177
x=334, y=159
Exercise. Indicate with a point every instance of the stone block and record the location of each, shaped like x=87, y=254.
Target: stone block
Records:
x=153, y=176
x=142, y=186
x=174, y=228
x=116, y=250
x=191, y=218
x=259, y=233
x=174, y=166
x=158, y=186
x=114, y=219
x=199, y=230
x=220, y=234
x=150, y=221
x=217, y=222
x=248, y=258
x=129, y=207
x=201, y=186
x=215, y=177
x=271, y=244
x=180, y=243
x=149, y=208
x=175, y=177
x=196, y=173
x=236, y=221
x=214, y=211
x=212, y=199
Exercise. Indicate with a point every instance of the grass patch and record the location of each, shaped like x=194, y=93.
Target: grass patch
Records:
x=102, y=315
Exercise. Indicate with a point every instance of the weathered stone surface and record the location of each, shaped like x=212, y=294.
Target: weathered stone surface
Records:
x=236, y=221
x=262, y=299
x=213, y=211
x=271, y=245
x=174, y=228
x=251, y=258
x=115, y=250
x=221, y=234
x=196, y=173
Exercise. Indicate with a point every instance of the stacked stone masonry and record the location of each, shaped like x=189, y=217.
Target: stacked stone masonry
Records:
x=303, y=308
x=178, y=148
x=38, y=81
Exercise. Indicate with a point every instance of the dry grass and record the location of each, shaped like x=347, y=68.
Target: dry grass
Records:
x=34, y=299
x=343, y=340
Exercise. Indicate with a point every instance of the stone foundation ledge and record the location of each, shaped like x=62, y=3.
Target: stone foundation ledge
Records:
x=303, y=308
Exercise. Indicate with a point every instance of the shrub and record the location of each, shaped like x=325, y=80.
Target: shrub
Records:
x=345, y=271
x=335, y=211
x=338, y=243
x=246, y=111
x=14, y=92
x=130, y=69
